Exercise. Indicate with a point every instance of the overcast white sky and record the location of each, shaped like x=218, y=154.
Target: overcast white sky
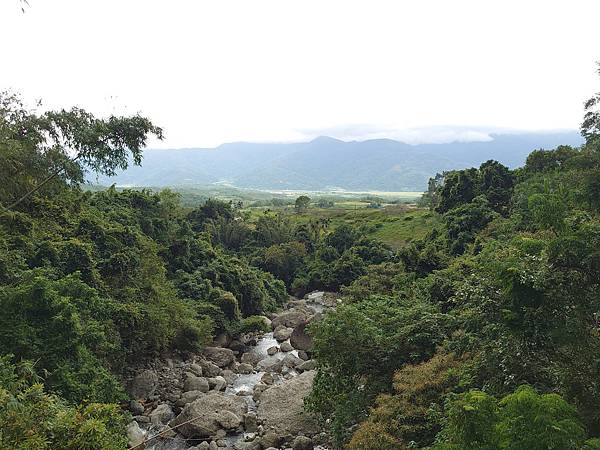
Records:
x=218, y=71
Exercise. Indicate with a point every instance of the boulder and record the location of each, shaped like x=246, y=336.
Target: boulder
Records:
x=300, y=339
x=291, y=318
x=267, y=378
x=213, y=412
x=221, y=357
x=291, y=361
x=286, y=347
x=229, y=375
x=251, y=358
x=272, y=350
x=258, y=390
x=136, y=408
x=282, y=333
x=302, y=443
x=135, y=435
x=143, y=385
x=228, y=420
x=245, y=368
x=194, y=383
x=303, y=355
x=307, y=365
x=141, y=419
x=196, y=369
x=217, y=383
x=281, y=407
x=188, y=397
x=210, y=369
x=239, y=347
x=270, y=440
x=250, y=422
x=161, y=415
x=270, y=365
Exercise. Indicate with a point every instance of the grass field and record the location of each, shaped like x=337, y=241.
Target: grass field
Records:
x=394, y=225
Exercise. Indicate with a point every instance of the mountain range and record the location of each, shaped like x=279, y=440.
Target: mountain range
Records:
x=326, y=163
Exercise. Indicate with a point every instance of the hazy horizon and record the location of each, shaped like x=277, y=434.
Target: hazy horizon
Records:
x=230, y=71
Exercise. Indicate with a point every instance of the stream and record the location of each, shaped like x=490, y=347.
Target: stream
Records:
x=242, y=385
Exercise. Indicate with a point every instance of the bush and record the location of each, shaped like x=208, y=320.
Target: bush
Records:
x=252, y=324
x=31, y=418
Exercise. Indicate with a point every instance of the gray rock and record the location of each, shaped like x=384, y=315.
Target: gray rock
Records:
x=291, y=318
x=144, y=384
x=245, y=368
x=228, y=420
x=136, y=408
x=135, y=435
x=188, y=397
x=270, y=440
x=272, y=350
x=251, y=358
x=217, y=383
x=209, y=411
x=213, y=446
x=258, y=390
x=282, y=333
x=222, y=357
x=302, y=443
x=291, y=361
x=141, y=419
x=300, y=339
x=307, y=365
x=286, y=347
x=194, y=383
x=267, y=378
x=196, y=369
x=303, y=355
x=229, y=375
x=281, y=407
x=210, y=369
x=161, y=415
x=270, y=365
x=203, y=446
x=250, y=422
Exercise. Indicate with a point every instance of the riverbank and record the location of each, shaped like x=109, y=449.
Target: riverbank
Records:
x=243, y=394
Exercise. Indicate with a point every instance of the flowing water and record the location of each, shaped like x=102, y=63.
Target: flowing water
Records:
x=242, y=383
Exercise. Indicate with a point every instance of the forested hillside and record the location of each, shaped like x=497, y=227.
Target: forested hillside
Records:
x=325, y=163
x=483, y=334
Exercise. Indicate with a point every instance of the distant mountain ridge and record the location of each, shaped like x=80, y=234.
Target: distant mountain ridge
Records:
x=327, y=163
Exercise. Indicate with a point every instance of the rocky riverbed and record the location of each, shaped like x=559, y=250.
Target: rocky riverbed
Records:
x=244, y=394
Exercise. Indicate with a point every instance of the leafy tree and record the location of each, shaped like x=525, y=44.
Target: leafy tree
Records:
x=523, y=419
x=404, y=417
x=61, y=145
x=32, y=418
x=359, y=346
x=590, y=128
x=302, y=203
x=284, y=260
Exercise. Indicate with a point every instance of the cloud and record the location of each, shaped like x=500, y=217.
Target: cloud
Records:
x=420, y=135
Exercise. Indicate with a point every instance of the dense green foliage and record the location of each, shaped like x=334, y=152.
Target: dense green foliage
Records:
x=480, y=332
x=31, y=418
x=93, y=282
x=500, y=296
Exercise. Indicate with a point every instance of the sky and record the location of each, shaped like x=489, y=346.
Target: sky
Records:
x=215, y=71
